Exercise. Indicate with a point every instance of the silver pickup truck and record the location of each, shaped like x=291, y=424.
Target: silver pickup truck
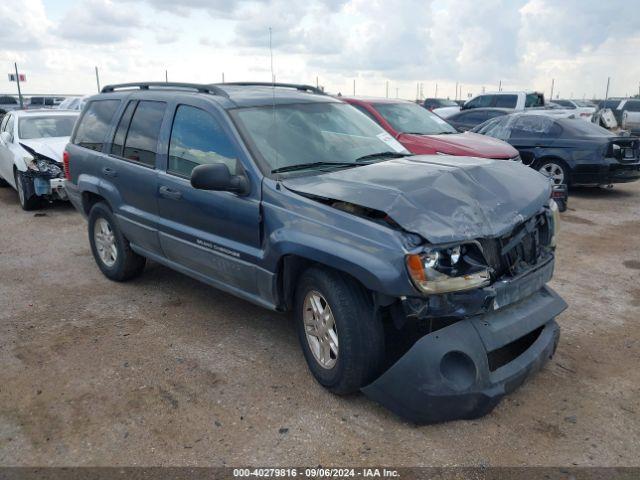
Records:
x=631, y=115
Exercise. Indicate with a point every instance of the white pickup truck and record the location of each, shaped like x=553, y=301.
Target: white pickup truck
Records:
x=517, y=100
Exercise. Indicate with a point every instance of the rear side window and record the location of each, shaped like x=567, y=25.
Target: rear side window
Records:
x=506, y=101
x=632, y=106
x=141, y=141
x=121, y=131
x=198, y=139
x=534, y=100
x=94, y=124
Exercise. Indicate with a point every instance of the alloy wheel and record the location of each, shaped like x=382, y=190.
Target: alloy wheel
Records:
x=320, y=329
x=553, y=171
x=105, y=242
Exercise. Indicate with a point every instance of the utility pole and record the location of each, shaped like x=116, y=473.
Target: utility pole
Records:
x=552, y=83
x=18, y=82
x=387, y=89
x=500, y=86
x=166, y=76
x=98, y=79
x=456, y=97
x=436, y=95
x=354, y=87
x=222, y=77
x=606, y=95
x=317, y=84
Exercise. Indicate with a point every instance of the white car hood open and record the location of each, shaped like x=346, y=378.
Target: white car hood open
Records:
x=52, y=147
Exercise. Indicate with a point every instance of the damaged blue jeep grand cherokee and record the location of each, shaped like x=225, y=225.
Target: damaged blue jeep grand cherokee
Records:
x=419, y=280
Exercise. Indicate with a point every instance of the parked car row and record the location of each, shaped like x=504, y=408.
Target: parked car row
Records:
x=392, y=238
x=9, y=103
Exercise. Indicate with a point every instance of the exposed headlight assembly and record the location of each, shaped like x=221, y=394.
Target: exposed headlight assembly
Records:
x=43, y=166
x=448, y=269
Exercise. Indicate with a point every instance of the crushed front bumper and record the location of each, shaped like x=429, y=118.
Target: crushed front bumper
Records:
x=463, y=370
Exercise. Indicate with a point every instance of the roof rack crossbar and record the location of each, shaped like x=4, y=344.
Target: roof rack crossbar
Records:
x=297, y=86
x=201, y=88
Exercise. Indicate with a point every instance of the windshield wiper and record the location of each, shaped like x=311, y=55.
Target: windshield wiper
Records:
x=304, y=166
x=381, y=155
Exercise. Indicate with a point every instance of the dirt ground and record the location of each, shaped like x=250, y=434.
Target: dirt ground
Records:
x=166, y=371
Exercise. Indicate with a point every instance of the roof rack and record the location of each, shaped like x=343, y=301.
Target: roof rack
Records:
x=201, y=88
x=297, y=86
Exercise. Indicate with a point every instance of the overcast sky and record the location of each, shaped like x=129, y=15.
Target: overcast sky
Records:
x=523, y=43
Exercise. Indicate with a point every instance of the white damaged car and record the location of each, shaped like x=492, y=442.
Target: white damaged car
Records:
x=31, y=147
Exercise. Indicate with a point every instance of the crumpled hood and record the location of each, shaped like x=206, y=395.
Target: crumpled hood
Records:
x=52, y=147
x=468, y=143
x=441, y=198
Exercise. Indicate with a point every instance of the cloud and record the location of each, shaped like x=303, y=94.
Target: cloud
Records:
x=99, y=22
x=523, y=43
x=23, y=25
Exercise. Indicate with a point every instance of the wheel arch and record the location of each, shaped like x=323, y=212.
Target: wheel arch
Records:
x=291, y=266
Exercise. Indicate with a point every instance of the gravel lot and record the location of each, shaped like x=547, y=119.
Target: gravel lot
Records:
x=166, y=371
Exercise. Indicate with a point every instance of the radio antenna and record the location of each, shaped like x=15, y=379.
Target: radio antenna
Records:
x=273, y=97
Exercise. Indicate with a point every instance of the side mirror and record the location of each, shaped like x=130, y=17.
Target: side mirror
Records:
x=216, y=176
x=5, y=137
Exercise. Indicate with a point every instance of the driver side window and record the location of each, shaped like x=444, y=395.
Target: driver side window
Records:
x=198, y=139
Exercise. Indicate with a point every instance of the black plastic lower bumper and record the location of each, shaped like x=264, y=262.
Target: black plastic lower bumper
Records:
x=460, y=371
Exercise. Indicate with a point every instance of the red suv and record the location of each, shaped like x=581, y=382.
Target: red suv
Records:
x=422, y=132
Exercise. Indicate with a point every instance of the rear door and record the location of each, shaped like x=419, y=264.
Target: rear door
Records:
x=214, y=234
x=129, y=172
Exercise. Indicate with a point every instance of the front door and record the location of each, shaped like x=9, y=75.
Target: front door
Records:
x=214, y=234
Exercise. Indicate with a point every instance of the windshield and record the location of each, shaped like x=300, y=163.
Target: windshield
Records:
x=43, y=127
x=312, y=133
x=412, y=118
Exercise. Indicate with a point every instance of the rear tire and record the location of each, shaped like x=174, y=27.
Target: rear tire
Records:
x=110, y=248
x=357, y=335
x=27, y=202
x=555, y=169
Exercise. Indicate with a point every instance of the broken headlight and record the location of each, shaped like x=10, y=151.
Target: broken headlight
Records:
x=448, y=269
x=43, y=166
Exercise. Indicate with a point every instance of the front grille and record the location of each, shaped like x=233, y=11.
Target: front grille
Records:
x=519, y=250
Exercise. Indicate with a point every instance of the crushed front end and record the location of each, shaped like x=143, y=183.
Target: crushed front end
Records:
x=484, y=324
x=44, y=176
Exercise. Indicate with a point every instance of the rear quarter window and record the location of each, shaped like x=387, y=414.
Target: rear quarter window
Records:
x=506, y=101
x=94, y=124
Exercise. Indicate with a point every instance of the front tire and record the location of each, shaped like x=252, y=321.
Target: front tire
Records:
x=341, y=338
x=110, y=248
x=27, y=201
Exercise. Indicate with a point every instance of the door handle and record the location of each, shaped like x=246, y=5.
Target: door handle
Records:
x=109, y=172
x=170, y=193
